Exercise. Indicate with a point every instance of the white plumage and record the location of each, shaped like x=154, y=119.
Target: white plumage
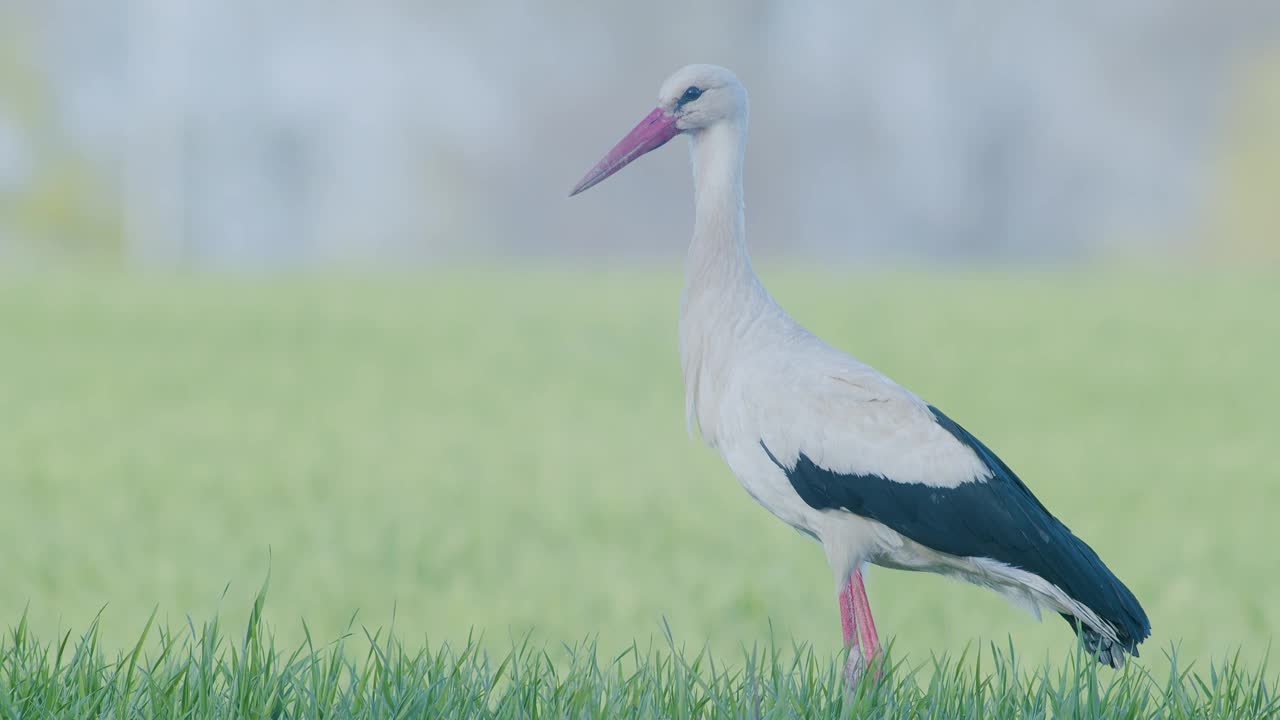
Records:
x=831, y=446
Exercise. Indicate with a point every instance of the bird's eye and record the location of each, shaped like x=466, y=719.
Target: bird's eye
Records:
x=690, y=95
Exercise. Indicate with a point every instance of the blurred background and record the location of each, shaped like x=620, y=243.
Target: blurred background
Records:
x=300, y=281
x=233, y=134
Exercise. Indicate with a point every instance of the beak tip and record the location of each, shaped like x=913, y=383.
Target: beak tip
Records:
x=582, y=185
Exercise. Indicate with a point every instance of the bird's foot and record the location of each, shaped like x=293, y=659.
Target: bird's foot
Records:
x=857, y=664
x=854, y=667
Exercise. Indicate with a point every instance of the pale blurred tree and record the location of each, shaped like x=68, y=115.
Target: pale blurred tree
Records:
x=1245, y=223
x=54, y=201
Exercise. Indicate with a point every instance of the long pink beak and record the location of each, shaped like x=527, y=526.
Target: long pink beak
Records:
x=652, y=133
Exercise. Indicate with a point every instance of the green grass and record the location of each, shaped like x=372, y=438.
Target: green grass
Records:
x=202, y=673
x=505, y=453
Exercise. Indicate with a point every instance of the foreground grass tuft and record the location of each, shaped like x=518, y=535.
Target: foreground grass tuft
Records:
x=203, y=673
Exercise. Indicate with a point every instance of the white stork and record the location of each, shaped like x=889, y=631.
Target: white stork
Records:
x=831, y=446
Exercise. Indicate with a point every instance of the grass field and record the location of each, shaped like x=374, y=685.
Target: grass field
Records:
x=205, y=674
x=505, y=452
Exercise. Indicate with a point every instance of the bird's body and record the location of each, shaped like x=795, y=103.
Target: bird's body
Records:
x=831, y=446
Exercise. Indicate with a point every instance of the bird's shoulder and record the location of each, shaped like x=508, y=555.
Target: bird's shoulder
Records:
x=847, y=417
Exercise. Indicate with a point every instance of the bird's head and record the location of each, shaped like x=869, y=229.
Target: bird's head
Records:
x=700, y=96
x=694, y=98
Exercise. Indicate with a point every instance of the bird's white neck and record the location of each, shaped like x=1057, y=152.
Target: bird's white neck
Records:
x=722, y=294
x=718, y=251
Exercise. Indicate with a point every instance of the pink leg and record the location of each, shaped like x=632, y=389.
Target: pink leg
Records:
x=854, y=664
x=861, y=607
x=847, y=623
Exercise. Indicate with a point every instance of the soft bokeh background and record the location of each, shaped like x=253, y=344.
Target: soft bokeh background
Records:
x=303, y=277
x=234, y=133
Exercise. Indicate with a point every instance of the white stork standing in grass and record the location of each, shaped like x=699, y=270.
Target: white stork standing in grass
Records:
x=832, y=447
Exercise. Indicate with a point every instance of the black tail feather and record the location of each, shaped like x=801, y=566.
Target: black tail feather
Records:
x=1106, y=651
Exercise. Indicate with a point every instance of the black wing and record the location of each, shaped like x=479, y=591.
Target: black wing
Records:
x=996, y=518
